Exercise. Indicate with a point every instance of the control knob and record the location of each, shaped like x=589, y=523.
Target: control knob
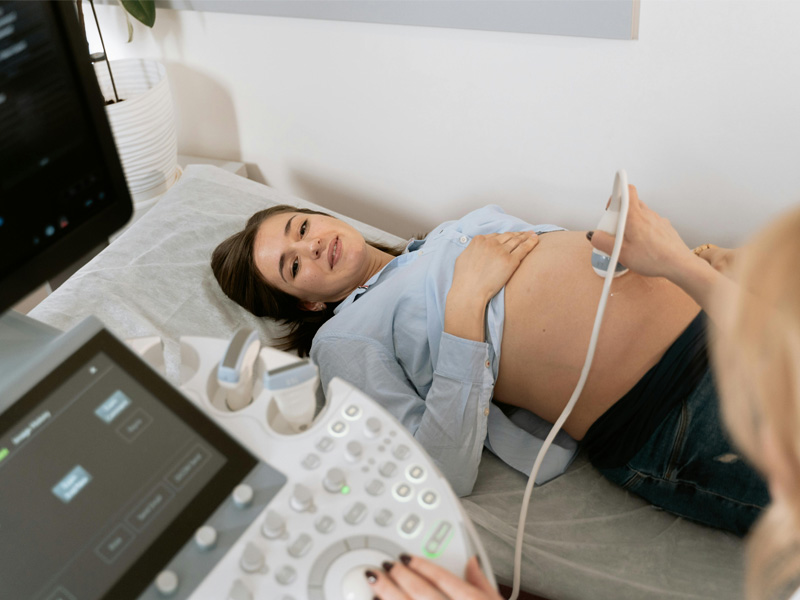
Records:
x=334, y=480
x=302, y=498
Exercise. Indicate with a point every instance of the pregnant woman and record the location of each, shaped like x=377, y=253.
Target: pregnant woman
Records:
x=476, y=335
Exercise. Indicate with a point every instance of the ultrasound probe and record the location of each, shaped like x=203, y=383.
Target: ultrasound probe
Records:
x=612, y=221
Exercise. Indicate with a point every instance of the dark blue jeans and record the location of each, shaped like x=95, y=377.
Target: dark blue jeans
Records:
x=688, y=467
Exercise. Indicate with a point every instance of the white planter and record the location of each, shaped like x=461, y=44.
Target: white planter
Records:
x=143, y=125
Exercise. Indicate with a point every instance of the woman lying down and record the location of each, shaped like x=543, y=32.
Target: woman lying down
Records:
x=487, y=315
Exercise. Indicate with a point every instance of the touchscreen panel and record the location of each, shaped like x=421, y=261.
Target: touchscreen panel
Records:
x=99, y=473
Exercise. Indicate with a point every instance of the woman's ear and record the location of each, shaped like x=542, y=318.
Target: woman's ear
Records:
x=312, y=306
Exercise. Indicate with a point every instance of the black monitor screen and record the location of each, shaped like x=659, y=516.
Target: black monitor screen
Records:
x=62, y=191
x=105, y=471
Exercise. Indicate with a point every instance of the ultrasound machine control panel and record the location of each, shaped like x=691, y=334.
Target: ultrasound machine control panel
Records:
x=117, y=486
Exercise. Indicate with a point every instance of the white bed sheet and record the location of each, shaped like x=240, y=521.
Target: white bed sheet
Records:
x=585, y=538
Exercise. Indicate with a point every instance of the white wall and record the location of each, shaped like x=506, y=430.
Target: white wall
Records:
x=406, y=126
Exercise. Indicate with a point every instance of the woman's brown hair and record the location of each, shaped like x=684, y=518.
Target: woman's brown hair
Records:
x=236, y=272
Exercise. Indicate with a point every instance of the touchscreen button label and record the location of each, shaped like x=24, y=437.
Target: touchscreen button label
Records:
x=188, y=467
x=135, y=425
x=66, y=489
x=111, y=547
x=150, y=507
x=115, y=404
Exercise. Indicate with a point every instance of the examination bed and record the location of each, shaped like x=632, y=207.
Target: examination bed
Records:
x=584, y=539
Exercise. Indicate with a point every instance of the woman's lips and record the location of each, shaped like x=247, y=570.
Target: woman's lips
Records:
x=334, y=252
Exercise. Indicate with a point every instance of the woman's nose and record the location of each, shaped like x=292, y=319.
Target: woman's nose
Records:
x=313, y=247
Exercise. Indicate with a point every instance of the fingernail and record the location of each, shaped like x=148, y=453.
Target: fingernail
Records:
x=371, y=577
x=589, y=235
x=405, y=559
x=387, y=566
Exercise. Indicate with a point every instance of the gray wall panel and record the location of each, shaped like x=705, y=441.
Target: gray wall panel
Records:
x=614, y=19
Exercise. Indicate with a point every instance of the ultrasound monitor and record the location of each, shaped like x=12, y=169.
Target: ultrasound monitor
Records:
x=62, y=189
x=106, y=471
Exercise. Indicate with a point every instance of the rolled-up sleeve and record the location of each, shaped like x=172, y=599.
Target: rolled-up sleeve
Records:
x=450, y=422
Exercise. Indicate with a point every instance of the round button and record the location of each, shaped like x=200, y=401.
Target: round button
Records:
x=463, y=239
x=252, y=559
x=373, y=427
x=302, y=498
x=242, y=495
x=274, y=525
x=338, y=428
x=286, y=575
x=334, y=481
x=353, y=451
x=403, y=492
x=167, y=583
x=206, y=537
x=415, y=473
x=429, y=499
x=352, y=412
x=325, y=524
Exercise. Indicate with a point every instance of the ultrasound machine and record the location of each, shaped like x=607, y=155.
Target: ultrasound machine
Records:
x=116, y=484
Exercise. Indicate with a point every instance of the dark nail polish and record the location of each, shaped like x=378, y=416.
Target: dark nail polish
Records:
x=387, y=566
x=589, y=235
x=405, y=559
x=371, y=577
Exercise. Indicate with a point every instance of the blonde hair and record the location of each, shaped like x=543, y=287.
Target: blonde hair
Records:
x=757, y=359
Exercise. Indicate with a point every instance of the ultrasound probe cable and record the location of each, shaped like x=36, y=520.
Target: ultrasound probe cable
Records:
x=619, y=202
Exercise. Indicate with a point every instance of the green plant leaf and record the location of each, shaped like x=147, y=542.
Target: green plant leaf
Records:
x=130, y=26
x=143, y=11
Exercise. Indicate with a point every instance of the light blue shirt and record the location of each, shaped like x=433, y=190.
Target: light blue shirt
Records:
x=386, y=338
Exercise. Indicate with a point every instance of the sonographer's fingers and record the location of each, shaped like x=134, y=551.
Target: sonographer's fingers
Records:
x=401, y=583
x=476, y=577
x=420, y=579
x=651, y=246
x=476, y=586
x=384, y=588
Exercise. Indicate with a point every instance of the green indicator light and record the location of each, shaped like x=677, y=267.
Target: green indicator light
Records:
x=437, y=542
x=3, y=453
x=345, y=489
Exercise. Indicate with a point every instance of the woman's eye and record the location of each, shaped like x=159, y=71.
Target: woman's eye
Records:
x=295, y=267
x=303, y=228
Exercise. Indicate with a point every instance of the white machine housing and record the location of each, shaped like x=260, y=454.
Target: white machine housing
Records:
x=360, y=491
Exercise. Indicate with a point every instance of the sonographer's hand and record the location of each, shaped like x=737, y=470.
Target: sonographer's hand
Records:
x=482, y=269
x=650, y=246
x=415, y=578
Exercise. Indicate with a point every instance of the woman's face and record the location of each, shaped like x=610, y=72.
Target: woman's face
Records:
x=315, y=258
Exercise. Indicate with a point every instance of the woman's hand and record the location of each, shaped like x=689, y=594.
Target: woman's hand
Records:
x=414, y=578
x=651, y=246
x=482, y=269
x=490, y=260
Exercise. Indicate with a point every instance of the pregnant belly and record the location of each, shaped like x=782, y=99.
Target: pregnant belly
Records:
x=550, y=306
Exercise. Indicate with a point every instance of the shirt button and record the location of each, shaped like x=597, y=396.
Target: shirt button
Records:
x=463, y=239
x=486, y=412
x=488, y=364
